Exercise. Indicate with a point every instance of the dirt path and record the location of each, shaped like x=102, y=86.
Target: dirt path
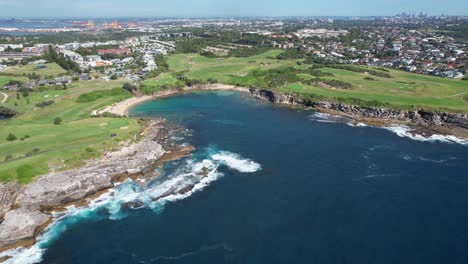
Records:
x=455, y=95
x=5, y=97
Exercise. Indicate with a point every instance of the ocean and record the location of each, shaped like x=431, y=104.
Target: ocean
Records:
x=282, y=185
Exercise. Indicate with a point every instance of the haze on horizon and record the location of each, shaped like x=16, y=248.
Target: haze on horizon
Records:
x=185, y=8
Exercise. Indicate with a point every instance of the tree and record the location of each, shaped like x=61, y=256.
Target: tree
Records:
x=57, y=121
x=114, y=77
x=11, y=137
x=129, y=87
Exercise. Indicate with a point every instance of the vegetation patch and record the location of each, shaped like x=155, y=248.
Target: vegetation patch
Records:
x=328, y=82
x=117, y=93
x=45, y=104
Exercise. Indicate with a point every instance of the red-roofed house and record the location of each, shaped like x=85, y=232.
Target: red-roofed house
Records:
x=114, y=51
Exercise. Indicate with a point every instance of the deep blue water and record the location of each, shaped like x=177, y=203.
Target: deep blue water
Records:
x=326, y=193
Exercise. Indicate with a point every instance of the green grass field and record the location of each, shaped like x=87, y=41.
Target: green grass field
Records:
x=224, y=70
x=164, y=80
x=79, y=137
x=403, y=90
x=51, y=69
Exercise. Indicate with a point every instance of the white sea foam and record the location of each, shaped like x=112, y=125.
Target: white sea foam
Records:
x=327, y=118
x=322, y=117
x=188, y=179
x=23, y=255
x=400, y=130
x=236, y=162
x=357, y=125
x=405, y=131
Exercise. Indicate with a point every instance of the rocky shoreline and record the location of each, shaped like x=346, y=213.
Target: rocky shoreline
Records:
x=25, y=210
x=425, y=123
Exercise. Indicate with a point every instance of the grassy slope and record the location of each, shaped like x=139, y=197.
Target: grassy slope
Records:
x=404, y=90
x=156, y=84
x=225, y=70
x=62, y=146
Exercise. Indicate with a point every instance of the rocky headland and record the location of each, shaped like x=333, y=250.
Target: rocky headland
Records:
x=25, y=210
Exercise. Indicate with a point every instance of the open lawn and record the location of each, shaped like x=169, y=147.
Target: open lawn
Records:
x=403, y=90
x=224, y=70
x=51, y=69
x=42, y=146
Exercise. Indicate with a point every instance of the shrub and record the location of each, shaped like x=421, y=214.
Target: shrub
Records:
x=333, y=83
x=44, y=104
x=290, y=55
x=11, y=137
x=8, y=157
x=57, y=121
x=212, y=80
x=369, y=79
x=89, y=150
x=317, y=73
x=7, y=112
x=130, y=87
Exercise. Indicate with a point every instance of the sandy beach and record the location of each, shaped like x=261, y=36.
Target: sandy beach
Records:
x=122, y=108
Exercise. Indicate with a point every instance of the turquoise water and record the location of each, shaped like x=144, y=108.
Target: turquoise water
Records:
x=284, y=186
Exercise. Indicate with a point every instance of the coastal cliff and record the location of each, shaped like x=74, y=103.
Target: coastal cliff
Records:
x=25, y=210
x=437, y=120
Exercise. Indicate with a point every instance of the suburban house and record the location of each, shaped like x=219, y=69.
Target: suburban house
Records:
x=92, y=58
x=43, y=83
x=13, y=87
x=63, y=80
x=85, y=77
x=29, y=84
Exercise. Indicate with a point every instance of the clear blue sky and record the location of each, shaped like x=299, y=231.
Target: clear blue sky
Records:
x=154, y=8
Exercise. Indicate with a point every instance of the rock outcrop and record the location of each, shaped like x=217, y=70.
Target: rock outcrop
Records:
x=21, y=225
x=8, y=193
x=59, y=188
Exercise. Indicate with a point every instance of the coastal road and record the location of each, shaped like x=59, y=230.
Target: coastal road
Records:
x=5, y=97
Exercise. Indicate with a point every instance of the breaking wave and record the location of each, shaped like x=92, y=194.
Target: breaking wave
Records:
x=405, y=131
x=236, y=162
x=193, y=175
x=400, y=130
x=327, y=118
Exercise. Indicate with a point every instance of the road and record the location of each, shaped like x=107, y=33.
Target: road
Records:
x=5, y=97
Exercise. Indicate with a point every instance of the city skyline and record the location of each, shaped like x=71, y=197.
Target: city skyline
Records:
x=207, y=8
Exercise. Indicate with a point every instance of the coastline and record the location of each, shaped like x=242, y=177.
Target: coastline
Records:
x=26, y=211
x=123, y=108
x=34, y=203
x=421, y=123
